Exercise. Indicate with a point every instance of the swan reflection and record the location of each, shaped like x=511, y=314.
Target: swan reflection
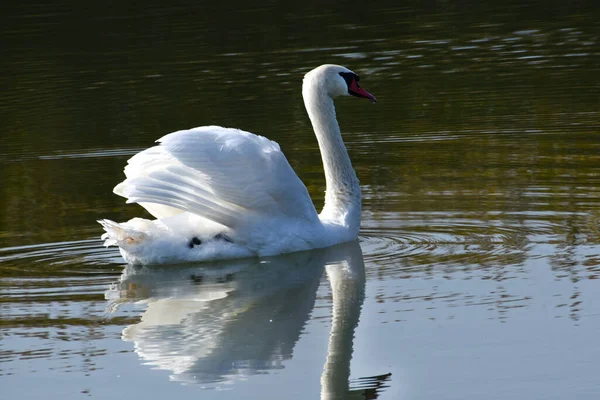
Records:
x=219, y=323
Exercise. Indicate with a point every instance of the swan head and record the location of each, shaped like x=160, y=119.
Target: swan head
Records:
x=335, y=81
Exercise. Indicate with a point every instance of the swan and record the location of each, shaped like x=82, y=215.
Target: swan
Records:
x=222, y=193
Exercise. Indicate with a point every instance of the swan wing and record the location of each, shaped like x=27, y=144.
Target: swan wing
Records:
x=223, y=174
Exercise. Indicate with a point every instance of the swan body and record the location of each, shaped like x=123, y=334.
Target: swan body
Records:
x=222, y=193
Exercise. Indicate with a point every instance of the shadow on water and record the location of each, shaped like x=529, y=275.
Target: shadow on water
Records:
x=215, y=325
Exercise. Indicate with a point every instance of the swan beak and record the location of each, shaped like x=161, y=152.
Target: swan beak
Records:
x=357, y=91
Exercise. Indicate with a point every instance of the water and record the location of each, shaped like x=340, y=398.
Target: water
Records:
x=477, y=270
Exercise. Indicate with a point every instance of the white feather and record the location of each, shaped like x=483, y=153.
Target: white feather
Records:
x=219, y=173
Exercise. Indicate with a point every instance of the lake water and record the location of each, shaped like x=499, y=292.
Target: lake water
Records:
x=477, y=273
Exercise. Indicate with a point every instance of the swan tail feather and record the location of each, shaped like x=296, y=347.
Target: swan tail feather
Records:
x=120, y=235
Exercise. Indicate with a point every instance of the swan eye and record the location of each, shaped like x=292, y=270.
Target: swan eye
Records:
x=349, y=77
x=354, y=88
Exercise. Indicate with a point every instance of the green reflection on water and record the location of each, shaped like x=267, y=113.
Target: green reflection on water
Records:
x=476, y=109
x=484, y=141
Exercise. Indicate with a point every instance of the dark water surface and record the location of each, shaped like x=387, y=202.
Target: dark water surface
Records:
x=477, y=274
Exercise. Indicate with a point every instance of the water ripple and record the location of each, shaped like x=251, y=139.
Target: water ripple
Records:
x=416, y=250
x=86, y=252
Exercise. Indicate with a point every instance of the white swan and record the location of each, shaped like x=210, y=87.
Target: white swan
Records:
x=221, y=193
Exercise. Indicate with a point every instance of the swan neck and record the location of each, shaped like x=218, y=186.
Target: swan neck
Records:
x=342, y=194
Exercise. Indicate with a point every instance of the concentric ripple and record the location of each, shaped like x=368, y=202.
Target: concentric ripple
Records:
x=400, y=249
x=51, y=297
x=413, y=241
x=86, y=252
